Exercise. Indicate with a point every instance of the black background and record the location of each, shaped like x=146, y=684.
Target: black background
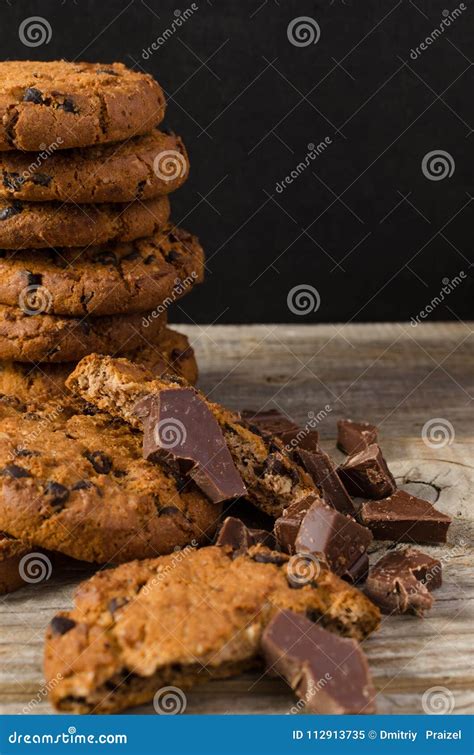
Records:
x=362, y=224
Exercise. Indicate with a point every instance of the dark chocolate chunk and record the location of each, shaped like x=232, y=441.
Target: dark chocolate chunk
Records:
x=61, y=625
x=240, y=538
x=402, y=581
x=168, y=511
x=33, y=95
x=179, y=426
x=68, y=105
x=288, y=524
x=328, y=533
x=11, y=211
x=405, y=518
x=367, y=474
x=272, y=423
x=357, y=572
x=328, y=673
x=353, y=437
x=324, y=475
x=267, y=556
x=57, y=494
x=14, y=471
x=100, y=461
x=33, y=279
x=41, y=179
x=82, y=485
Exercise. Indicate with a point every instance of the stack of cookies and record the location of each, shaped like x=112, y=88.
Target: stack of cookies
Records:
x=89, y=259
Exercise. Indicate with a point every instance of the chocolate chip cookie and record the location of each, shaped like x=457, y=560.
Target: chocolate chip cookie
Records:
x=76, y=482
x=272, y=479
x=141, y=168
x=60, y=104
x=12, y=551
x=180, y=620
x=144, y=275
x=50, y=338
x=33, y=225
x=170, y=352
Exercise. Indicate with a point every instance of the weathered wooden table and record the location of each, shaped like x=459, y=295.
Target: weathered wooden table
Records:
x=399, y=377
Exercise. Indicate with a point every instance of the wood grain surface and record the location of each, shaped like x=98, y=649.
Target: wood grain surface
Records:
x=398, y=376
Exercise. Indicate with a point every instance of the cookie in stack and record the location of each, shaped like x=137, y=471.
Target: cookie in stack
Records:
x=89, y=259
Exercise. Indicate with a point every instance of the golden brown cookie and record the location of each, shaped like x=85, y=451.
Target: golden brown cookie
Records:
x=144, y=167
x=50, y=338
x=35, y=225
x=58, y=104
x=12, y=551
x=145, y=275
x=180, y=620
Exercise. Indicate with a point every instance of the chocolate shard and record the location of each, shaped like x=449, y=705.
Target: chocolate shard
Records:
x=324, y=474
x=328, y=673
x=405, y=518
x=336, y=537
x=272, y=423
x=402, y=581
x=179, y=428
x=358, y=571
x=353, y=437
x=240, y=538
x=288, y=524
x=367, y=474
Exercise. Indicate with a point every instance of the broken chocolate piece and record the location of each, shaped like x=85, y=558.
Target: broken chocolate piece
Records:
x=180, y=428
x=406, y=518
x=288, y=524
x=240, y=538
x=324, y=475
x=367, y=474
x=358, y=571
x=328, y=533
x=272, y=423
x=401, y=581
x=353, y=437
x=328, y=673
x=61, y=624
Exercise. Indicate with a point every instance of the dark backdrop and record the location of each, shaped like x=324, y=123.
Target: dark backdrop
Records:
x=362, y=224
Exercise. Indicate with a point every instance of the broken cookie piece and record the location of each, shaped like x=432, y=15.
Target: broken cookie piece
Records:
x=367, y=474
x=179, y=428
x=329, y=674
x=273, y=480
x=402, y=581
x=353, y=437
x=180, y=620
x=405, y=518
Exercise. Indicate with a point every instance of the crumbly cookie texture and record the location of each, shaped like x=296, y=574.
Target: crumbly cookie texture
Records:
x=60, y=104
x=51, y=338
x=180, y=620
x=169, y=353
x=11, y=553
x=117, y=278
x=273, y=481
x=76, y=482
x=141, y=168
x=36, y=225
